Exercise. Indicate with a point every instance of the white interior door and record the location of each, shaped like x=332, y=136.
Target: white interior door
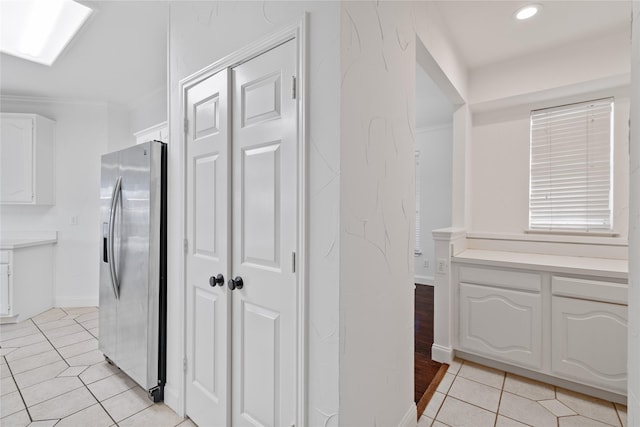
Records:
x=264, y=163
x=207, y=198
x=241, y=358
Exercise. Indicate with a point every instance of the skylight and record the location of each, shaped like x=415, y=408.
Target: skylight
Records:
x=39, y=30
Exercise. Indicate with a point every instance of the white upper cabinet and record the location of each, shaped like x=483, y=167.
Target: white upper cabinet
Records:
x=27, y=158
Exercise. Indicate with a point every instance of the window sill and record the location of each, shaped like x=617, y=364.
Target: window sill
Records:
x=551, y=238
x=573, y=233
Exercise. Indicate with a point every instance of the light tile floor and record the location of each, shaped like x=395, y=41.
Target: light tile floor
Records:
x=52, y=373
x=474, y=395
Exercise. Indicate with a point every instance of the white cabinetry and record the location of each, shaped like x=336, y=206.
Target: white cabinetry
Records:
x=501, y=323
x=159, y=132
x=26, y=279
x=548, y=318
x=27, y=154
x=4, y=289
x=589, y=337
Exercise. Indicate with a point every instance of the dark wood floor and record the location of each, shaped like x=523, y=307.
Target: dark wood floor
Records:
x=425, y=369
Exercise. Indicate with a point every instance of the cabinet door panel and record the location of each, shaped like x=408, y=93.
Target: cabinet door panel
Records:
x=16, y=160
x=4, y=290
x=589, y=342
x=502, y=324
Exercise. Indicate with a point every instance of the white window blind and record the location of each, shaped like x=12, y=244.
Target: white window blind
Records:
x=418, y=247
x=570, y=169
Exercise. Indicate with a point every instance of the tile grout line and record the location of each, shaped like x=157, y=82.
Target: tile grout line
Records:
x=504, y=380
x=80, y=379
x=618, y=414
x=54, y=347
x=97, y=400
x=14, y=379
x=435, y=417
x=16, y=338
x=555, y=397
x=85, y=385
x=26, y=408
x=30, y=355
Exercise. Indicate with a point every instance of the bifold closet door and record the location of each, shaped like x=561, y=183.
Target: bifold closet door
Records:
x=242, y=223
x=207, y=198
x=264, y=163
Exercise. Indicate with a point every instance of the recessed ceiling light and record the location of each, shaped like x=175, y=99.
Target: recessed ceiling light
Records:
x=39, y=30
x=528, y=11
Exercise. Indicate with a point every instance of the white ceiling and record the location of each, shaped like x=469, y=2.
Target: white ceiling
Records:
x=119, y=56
x=485, y=32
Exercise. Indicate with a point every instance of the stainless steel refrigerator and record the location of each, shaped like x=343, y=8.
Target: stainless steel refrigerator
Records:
x=132, y=328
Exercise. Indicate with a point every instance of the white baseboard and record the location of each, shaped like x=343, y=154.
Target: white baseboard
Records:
x=633, y=404
x=545, y=378
x=8, y=319
x=172, y=399
x=410, y=419
x=441, y=354
x=75, y=302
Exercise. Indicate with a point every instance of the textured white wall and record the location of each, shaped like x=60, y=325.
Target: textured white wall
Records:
x=436, y=149
x=500, y=171
x=377, y=213
x=119, y=134
x=149, y=110
x=633, y=399
x=573, y=64
x=81, y=138
x=204, y=32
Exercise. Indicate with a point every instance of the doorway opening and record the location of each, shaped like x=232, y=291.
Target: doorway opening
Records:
x=434, y=149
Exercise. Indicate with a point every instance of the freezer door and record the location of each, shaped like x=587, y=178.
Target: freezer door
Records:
x=138, y=305
x=108, y=308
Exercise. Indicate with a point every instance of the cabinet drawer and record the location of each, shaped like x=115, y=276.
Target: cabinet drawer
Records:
x=589, y=342
x=500, y=278
x=595, y=290
x=4, y=257
x=502, y=324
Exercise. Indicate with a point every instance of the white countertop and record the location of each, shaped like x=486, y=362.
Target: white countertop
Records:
x=16, y=240
x=615, y=268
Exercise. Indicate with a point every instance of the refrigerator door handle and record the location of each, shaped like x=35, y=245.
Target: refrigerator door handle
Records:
x=115, y=196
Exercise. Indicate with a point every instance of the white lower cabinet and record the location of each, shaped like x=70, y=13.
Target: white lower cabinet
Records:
x=503, y=315
x=589, y=342
x=4, y=290
x=501, y=323
x=26, y=282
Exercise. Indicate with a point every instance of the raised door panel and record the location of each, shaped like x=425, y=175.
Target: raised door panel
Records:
x=261, y=205
x=589, y=342
x=501, y=324
x=204, y=317
x=16, y=160
x=260, y=376
x=207, y=254
x=264, y=240
x=5, y=296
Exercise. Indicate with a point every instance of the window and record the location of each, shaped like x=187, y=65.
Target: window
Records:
x=417, y=250
x=570, y=168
